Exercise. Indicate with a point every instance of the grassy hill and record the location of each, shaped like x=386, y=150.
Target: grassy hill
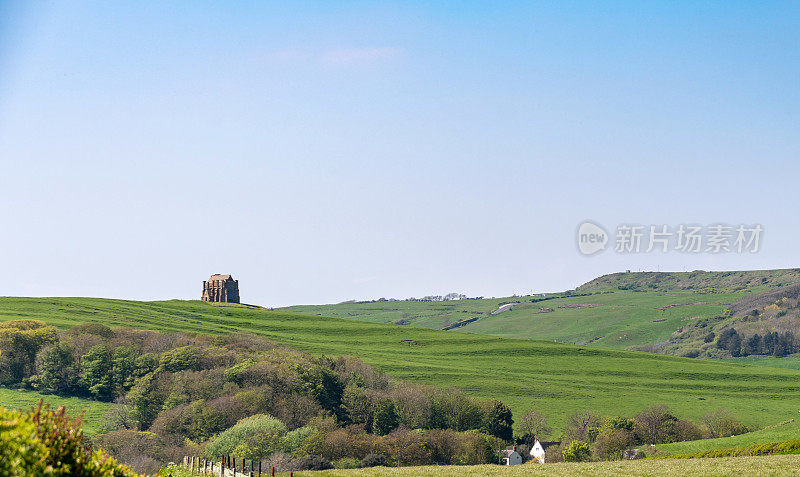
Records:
x=553, y=377
x=621, y=310
x=94, y=410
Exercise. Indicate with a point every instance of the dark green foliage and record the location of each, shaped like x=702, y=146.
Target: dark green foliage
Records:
x=386, y=418
x=324, y=385
x=56, y=370
x=146, y=400
x=97, y=372
x=497, y=420
x=124, y=369
x=775, y=344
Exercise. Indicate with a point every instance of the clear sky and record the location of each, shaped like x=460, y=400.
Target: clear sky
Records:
x=322, y=151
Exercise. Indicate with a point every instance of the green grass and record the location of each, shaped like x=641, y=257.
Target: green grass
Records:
x=554, y=378
x=618, y=319
x=781, y=465
x=781, y=432
x=627, y=313
x=787, y=362
x=94, y=410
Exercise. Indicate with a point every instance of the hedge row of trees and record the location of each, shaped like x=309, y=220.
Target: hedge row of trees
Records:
x=185, y=390
x=771, y=344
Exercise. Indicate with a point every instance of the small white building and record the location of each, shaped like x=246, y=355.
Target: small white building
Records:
x=510, y=457
x=539, y=449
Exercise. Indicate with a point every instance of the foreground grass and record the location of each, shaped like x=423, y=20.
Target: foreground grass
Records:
x=783, y=465
x=555, y=378
x=94, y=410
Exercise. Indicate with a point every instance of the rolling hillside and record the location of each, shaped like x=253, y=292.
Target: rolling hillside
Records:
x=553, y=377
x=621, y=310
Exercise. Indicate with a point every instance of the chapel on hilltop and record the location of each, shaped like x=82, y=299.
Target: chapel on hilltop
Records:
x=221, y=289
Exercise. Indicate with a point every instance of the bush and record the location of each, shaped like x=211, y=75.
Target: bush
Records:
x=721, y=423
x=577, y=451
x=347, y=463
x=373, y=460
x=386, y=418
x=47, y=442
x=312, y=463
x=655, y=425
x=250, y=436
x=611, y=442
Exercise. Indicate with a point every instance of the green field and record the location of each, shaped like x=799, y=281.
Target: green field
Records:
x=553, y=377
x=787, y=362
x=617, y=319
x=622, y=310
x=780, y=432
x=781, y=465
x=94, y=410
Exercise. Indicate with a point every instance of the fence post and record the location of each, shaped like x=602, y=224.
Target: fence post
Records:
x=259, y=468
x=273, y=471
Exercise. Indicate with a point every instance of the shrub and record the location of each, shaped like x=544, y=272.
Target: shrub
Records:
x=497, y=420
x=611, y=442
x=178, y=359
x=97, y=372
x=577, y=451
x=312, y=463
x=261, y=428
x=373, y=460
x=145, y=449
x=347, y=463
x=655, y=425
x=56, y=369
x=721, y=423
x=386, y=418
x=47, y=442
x=294, y=439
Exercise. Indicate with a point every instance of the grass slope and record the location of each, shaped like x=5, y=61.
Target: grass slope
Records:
x=781, y=465
x=94, y=410
x=622, y=310
x=618, y=319
x=555, y=378
x=781, y=432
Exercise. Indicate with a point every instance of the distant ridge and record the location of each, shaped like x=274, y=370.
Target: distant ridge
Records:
x=695, y=280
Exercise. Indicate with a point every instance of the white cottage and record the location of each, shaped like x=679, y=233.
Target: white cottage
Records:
x=539, y=449
x=510, y=457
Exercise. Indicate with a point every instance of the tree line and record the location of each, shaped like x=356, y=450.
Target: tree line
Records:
x=771, y=344
x=178, y=394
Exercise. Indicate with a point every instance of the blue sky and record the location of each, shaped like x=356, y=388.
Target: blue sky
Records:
x=322, y=151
